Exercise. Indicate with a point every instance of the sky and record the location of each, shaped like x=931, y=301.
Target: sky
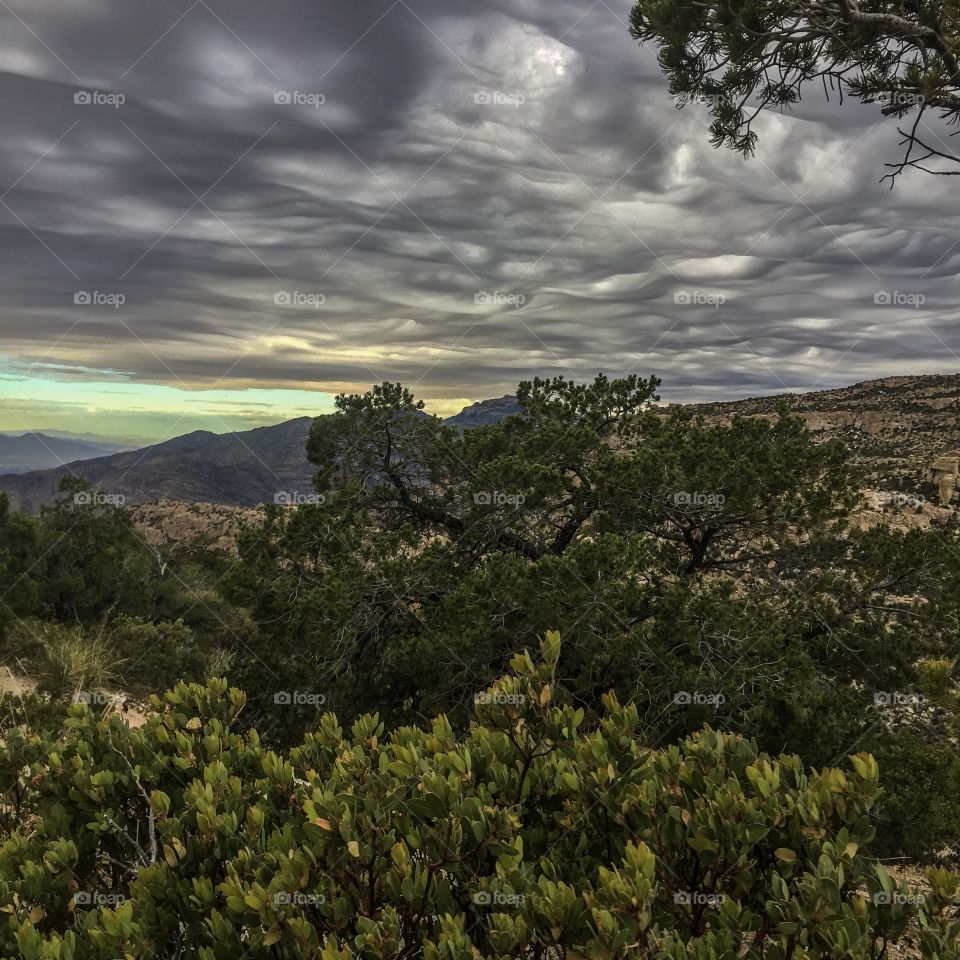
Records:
x=218, y=214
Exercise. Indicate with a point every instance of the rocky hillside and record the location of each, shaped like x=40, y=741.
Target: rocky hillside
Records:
x=899, y=422
x=169, y=521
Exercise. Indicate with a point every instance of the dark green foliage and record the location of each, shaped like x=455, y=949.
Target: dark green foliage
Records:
x=706, y=572
x=921, y=781
x=90, y=558
x=86, y=603
x=155, y=656
x=18, y=546
x=727, y=497
x=381, y=454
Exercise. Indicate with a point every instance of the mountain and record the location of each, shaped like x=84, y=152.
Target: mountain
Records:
x=24, y=452
x=243, y=469
x=485, y=413
x=92, y=437
x=895, y=426
x=239, y=469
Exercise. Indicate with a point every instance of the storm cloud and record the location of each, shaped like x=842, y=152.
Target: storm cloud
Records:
x=318, y=195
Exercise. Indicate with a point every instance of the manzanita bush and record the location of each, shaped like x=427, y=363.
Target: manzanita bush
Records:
x=531, y=836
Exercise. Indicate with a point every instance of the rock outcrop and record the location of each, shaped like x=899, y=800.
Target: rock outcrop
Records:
x=217, y=526
x=944, y=471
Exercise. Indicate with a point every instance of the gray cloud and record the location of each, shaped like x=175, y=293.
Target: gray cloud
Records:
x=487, y=192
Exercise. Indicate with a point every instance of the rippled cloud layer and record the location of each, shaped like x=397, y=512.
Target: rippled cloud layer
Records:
x=298, y=195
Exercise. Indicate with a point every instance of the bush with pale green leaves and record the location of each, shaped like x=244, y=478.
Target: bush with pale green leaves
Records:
x=528, y=836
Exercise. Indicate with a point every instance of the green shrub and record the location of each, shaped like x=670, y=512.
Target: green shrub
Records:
x=919, y=814
x=527, y=836
x=155, y=656
x=936, y=678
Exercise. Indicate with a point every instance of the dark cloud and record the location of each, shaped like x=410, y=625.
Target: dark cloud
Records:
x=486, y=192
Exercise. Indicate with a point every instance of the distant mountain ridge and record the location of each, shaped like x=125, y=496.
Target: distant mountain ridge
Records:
x=238, y=469
x=900, y=423
x=24, y=452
